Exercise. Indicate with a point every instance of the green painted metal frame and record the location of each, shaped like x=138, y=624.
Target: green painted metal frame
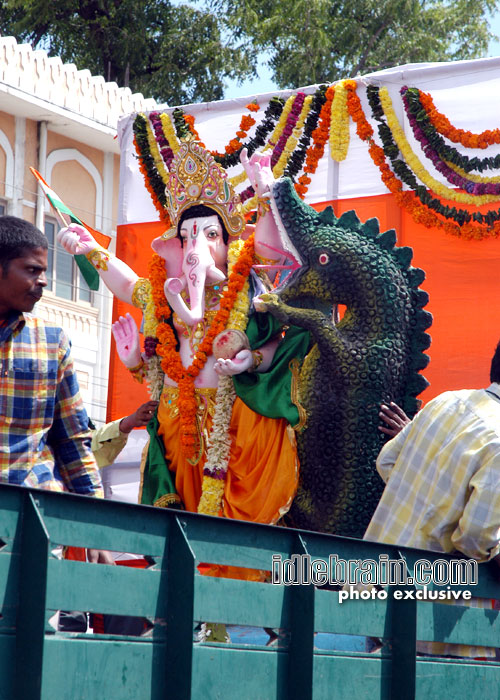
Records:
x=38, y=663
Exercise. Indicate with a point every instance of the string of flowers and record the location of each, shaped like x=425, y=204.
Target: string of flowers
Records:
x=415, y=164
x=246, y=124
x=219, y=449
x=464, y=181
x=167, y=153
x=166, y=348
x=278, y=129
x=152, y=177
x=292, y=117
x=319, y=137
x=154, y=149
x=339, y=124
x=486, y=138
x=219, y=442
x=293, y=138
x=297, y=158
x=406, y=200
x=472, y=176
x=446, y=152
x=461, y=216
x=169, y=132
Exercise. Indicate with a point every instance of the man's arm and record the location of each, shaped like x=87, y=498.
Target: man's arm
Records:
x=69, y=435
x=109, y=441
x=477, y=532
x=390, y=452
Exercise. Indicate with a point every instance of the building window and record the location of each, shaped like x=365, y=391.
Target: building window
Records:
x=63, y=276
x=3, y=207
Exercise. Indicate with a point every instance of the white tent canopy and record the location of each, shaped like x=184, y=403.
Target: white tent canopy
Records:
x=468, y=92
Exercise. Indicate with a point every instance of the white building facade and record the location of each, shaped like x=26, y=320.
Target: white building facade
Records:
x=62, y=121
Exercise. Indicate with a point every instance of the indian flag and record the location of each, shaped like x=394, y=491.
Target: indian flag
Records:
x=88, y=271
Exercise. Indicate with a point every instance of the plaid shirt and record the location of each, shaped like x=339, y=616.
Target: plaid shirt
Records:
x=44, y=436
x=442, y=474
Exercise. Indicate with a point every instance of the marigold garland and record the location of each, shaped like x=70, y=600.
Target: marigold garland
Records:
x=486, y=138
x=406, y=200
x=431, y=147
x=415, y=164
x=152, y=179
x=339, y=124
x=319, y=137
x=171, y=362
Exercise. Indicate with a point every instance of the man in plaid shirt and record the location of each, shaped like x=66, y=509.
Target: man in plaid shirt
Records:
x=44, y=435
x=442, y=475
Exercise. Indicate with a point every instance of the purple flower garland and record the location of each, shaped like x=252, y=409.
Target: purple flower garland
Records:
x=474, y=188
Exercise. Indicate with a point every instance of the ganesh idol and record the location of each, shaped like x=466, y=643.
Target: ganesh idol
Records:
x=223, y=441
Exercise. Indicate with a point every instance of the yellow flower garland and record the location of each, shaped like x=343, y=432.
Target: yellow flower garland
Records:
x=238, y=317
x=290, y=145
x=339, y=124
x=155, y=151
x=238, y=179
x=417, y=167
x=293, y=139
x=471, y=176
x=278, y=129
x=169, y=132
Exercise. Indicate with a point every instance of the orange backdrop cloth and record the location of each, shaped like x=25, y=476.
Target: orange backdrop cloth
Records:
x=263, y=470
x=462, y=279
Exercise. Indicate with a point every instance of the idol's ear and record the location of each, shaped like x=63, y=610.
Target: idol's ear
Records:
x=171, y=251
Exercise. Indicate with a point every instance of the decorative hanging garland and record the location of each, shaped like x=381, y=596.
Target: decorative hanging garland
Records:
x=339, y=129
x=446, y=152
x=298, y=157
x=443, y=126
x=319, y=137
x=152, y=178
x=414, y=163
x=455, y=176
x=407, y=200
x=400, y=167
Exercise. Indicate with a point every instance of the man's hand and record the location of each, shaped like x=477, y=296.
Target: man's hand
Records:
x=100, y=556
x=139, y=418
x=394, y=417
x=76, y=240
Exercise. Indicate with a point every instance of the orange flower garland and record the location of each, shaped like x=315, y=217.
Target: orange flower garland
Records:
x=319, y=137
x=234, y=144
x=171, y=363
x=407, y=200
x=444, y=126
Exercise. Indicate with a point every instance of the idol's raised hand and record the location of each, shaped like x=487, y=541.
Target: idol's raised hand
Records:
x=258, y=169
x=76, y=240
x=127, y=339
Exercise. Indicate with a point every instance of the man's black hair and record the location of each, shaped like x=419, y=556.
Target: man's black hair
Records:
x=495, y=365
x=17, y=236
x=200, y=210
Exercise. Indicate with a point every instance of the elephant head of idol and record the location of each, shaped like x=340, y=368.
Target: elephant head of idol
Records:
x=203, y=209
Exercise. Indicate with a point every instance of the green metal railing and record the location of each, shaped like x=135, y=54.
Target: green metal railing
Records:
x=39, y=662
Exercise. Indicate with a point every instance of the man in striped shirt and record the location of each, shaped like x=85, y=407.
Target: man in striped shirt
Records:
x=442, y=474
x=44, y=435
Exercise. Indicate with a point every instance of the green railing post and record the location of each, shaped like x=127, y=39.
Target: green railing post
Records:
x=300, y=653
x=180, y=591
x=30, y=631
x=404, y=645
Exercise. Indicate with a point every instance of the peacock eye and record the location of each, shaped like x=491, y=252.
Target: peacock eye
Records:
x=324, y=259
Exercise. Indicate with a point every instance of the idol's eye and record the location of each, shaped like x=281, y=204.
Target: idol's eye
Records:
x=213, y=233
x=323, y=258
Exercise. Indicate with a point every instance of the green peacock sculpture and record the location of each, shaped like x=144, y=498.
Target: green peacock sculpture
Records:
x=373, y=355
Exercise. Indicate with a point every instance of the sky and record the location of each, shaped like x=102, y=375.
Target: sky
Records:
x=264, y=83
